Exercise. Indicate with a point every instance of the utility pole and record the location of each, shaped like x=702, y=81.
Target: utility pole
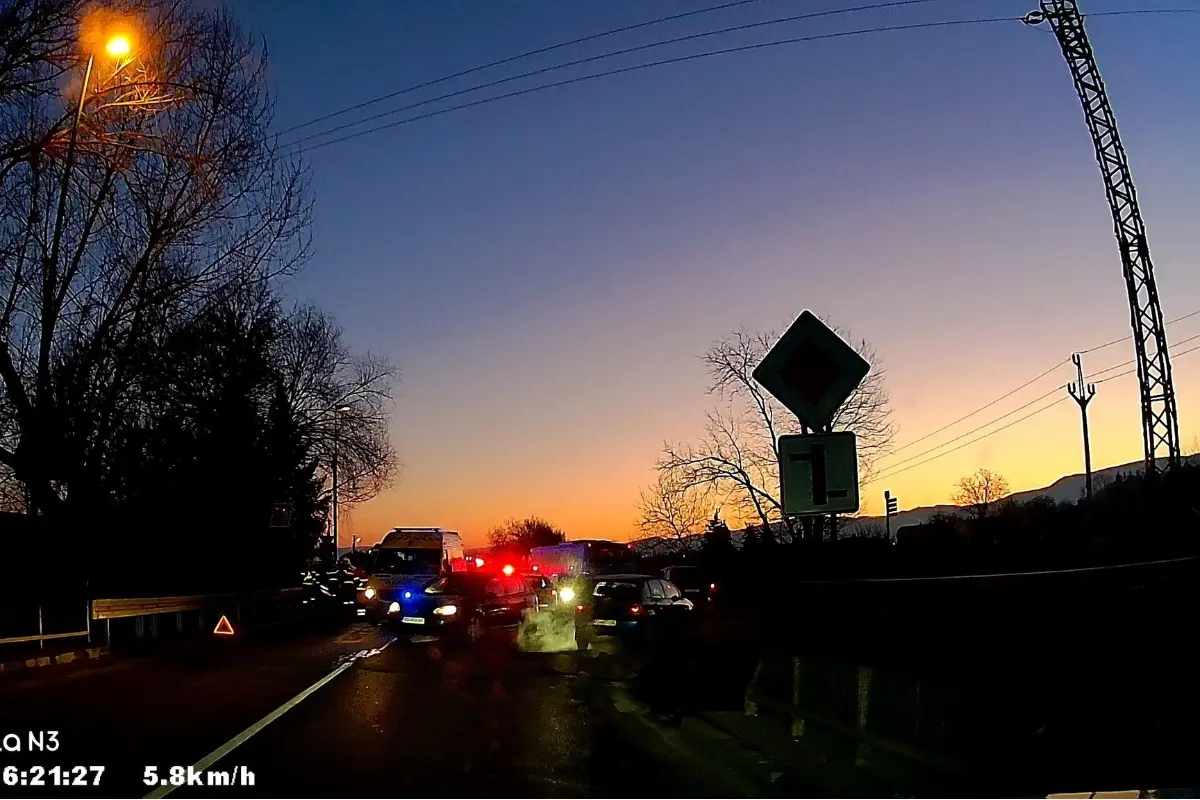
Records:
x=336, y=424
x=1083, y=394
x=891, y=504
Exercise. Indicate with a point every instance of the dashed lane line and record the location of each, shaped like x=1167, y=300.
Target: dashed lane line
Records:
x=244, y=736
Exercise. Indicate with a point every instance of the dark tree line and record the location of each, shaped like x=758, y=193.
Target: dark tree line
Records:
x=158, y=398
x=522, y=535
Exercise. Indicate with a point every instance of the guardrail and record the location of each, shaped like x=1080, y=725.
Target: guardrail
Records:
x=900, y=715
x=147, y=612
x=146, y=606
x=41, y=637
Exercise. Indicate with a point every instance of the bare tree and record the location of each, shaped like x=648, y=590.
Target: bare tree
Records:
x=167, y=195
x=738, y=456
x=344, y=402
x=674, y=512
x=870, y=530
x=867, y=411
x=980, y=491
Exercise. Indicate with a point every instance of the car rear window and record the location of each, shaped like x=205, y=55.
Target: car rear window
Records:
x=621, y=591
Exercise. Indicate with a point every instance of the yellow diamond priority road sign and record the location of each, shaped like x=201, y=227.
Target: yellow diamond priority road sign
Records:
x=811, y=370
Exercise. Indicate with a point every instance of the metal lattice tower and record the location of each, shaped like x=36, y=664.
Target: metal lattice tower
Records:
x=1160, y=420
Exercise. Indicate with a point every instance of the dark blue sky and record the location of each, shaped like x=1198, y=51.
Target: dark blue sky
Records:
x=546, y=268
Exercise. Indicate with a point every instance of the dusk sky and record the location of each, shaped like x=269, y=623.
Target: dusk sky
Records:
x=547, y=269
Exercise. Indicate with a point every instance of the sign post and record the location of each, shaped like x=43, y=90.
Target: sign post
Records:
x=892, y=505
x=812, y=371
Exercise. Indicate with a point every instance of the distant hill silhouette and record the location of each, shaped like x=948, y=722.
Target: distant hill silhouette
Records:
x=1067, y=489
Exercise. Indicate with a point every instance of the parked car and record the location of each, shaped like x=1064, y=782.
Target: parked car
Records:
x=638, y=607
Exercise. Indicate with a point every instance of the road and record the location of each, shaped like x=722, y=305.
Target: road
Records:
x=399, y=718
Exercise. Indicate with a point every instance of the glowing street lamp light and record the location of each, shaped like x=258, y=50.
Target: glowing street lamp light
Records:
x=118, y=46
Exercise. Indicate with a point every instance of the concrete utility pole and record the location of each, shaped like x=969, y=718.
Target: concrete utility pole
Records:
x=1083, y=394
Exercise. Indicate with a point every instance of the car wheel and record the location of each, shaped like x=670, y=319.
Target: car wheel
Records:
x=474, y=630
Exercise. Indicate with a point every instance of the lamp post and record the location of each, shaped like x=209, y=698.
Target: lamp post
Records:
x=337, y=419
x=116, y=46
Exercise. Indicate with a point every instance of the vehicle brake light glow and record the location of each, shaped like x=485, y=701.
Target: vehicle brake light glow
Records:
x=712, y=586
x=478, y=562
x=508, y=569
x=635, y=609
x=535, y=568
x=578, y=609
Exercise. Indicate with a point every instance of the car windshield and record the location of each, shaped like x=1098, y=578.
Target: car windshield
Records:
x=406, y=562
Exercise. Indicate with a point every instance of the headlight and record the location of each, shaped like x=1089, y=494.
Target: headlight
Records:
x=566, y=594
x=446, y=611
x=369, y=593
x=394, y=608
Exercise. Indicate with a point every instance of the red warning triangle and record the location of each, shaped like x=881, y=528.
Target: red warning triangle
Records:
x=223, y=627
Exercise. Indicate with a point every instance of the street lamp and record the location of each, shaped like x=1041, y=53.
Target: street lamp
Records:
x=337, y=419
x=116, y=45
x=354, y=540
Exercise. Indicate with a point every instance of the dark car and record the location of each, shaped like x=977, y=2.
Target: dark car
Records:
x=543, y=587
x=696, y=584
x=465, y=605
x=636, y=606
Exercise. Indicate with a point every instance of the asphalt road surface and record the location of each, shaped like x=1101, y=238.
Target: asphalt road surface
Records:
x=341, y=713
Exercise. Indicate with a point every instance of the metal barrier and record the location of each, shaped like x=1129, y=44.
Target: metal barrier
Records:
x=895, y=714
x=151, y=609
x=41, y=637
x=147, y=606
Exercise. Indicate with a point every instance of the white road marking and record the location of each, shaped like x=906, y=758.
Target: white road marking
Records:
x=241, y=738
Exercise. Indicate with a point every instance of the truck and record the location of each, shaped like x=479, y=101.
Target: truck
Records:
x=405, y=561
x=583, y=557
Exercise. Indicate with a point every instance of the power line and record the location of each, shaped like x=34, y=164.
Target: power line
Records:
x=1034, y=380
x=1121, y=339
x=1131, y=371
x=893, y=472
x=510, y=59
x=983, y=407
x=601, y=56
x=659, y=63
x=1018, y=421
x=976, y=430
x=551, y=48
x=680, y=59
x=1127, y=363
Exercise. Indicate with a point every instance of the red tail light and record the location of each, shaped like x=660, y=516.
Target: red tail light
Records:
x=579, y=609
x=635, y=609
